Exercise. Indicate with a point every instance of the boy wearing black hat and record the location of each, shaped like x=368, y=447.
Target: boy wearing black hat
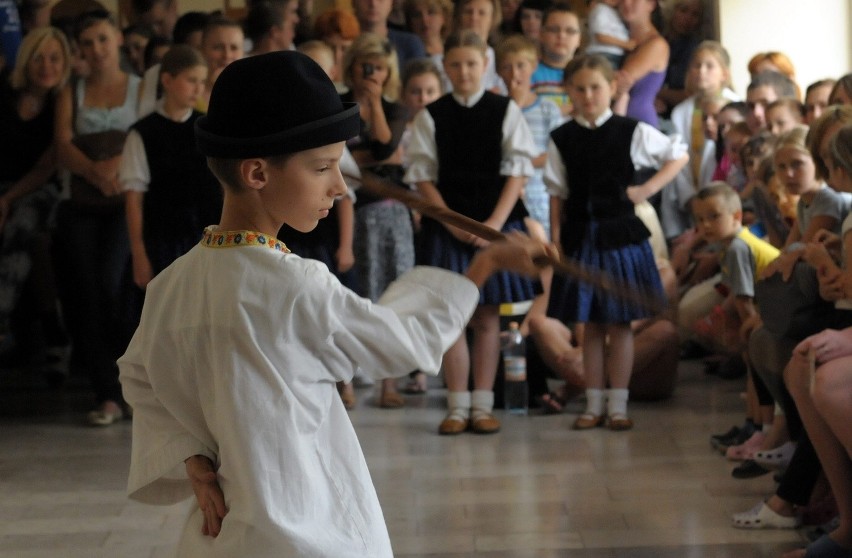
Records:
x=232, y=371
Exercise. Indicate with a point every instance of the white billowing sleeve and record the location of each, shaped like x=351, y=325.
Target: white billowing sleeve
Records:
x=415, y=321
x=133, y=172
x=650, y=147
x=555, y=175
x=518, y=145
x=422, y=150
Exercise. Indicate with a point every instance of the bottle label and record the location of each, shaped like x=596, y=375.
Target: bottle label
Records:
x=515, y=368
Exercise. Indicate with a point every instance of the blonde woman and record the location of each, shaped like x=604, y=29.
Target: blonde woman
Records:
x=28, y=193
x=383, y=242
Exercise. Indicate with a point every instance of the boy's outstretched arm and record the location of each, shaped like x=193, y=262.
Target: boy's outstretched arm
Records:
x=517, y=253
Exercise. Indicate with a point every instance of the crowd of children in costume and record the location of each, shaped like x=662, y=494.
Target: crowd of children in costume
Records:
x=625, y=145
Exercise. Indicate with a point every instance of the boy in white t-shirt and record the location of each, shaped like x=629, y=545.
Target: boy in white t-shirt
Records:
x=608, y=36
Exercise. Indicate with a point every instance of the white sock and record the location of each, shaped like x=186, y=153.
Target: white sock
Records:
x=458, y=403
x=482, y=402
x=617, y=401
x=594, y=402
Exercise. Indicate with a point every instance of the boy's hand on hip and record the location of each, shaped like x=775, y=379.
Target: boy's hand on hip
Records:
x=209, y=494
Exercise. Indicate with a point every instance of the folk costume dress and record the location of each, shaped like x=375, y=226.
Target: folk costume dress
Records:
x=590, y=166
x=467, y=148
x=236, y=358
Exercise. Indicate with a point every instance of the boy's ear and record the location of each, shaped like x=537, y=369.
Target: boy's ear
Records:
x=254, y=173
x=166, y=79
x=738, y=215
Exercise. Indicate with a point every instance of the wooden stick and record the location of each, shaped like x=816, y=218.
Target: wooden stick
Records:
x=382, y=188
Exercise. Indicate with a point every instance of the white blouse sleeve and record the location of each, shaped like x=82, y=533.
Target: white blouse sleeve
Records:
x=651, y=148
x=133, y=173
x=555, y=175
x=422, y=150
x=518, y=145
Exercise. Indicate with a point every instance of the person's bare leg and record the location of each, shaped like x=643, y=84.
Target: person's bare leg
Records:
x=833, y=456
x=656, y=355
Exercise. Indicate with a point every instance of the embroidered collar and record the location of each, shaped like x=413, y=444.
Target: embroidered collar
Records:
x=213, y=238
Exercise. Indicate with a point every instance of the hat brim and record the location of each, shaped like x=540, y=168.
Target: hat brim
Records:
x=331, y=129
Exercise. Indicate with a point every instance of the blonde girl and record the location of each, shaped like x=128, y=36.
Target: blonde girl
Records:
x=709, y=75
x=383, y=239
x=819, y=207
x=471, y=151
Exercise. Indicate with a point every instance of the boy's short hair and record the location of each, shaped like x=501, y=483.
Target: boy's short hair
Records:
x=180, y=58
x=793, y=105
x=718, y=189
x=739, y=106
x=516, y=44
x=562, y=7
x=781, y=84
x=227, y=171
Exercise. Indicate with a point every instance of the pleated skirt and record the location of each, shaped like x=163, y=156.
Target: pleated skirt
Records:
x=632, y=266
x=437, y=247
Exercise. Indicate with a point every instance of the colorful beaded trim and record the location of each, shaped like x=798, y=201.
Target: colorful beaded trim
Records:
x=230, y=239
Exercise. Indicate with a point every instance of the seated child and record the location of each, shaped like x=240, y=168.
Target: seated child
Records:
x=782, y=115
x=608, y=36
x=717, y=211
x=232, y=371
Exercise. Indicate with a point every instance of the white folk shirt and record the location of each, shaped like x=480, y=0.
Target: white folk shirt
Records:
x=236, y=358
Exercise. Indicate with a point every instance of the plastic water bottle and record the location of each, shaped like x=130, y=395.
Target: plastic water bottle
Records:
x=516, y=394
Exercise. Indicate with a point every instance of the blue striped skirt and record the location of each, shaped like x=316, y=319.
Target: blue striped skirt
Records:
x=632, y=265
x=437, y=247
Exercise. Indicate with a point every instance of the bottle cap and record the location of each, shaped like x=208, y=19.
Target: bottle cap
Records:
x=514, y=325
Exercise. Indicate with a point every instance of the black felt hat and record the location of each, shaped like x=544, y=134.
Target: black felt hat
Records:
x=273, y=104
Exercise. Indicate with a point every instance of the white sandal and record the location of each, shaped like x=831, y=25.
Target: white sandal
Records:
x=763, y=517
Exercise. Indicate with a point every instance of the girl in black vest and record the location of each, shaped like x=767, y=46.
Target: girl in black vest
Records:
x=590, y=170
x=471, y=151
x=171, y=195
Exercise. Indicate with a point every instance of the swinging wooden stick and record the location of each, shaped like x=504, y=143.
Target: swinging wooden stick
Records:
x=382, y=188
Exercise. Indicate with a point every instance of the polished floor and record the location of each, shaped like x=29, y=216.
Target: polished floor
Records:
x=536, y=489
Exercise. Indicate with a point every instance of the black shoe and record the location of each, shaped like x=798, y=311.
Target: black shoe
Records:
x=717, y=439
x=722, y=441
x=748, y=469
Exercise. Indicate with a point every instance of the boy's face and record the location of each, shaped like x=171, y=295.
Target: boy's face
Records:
x=560, y=37
x=478, y=15
x=465, y=67
x=421, y=90
x=779, y=120
x=302, y=190
x=287, y=29
x=516, y=70
x=221, y=46
x=184, y=89
x=715, y=222
x=757, y=99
